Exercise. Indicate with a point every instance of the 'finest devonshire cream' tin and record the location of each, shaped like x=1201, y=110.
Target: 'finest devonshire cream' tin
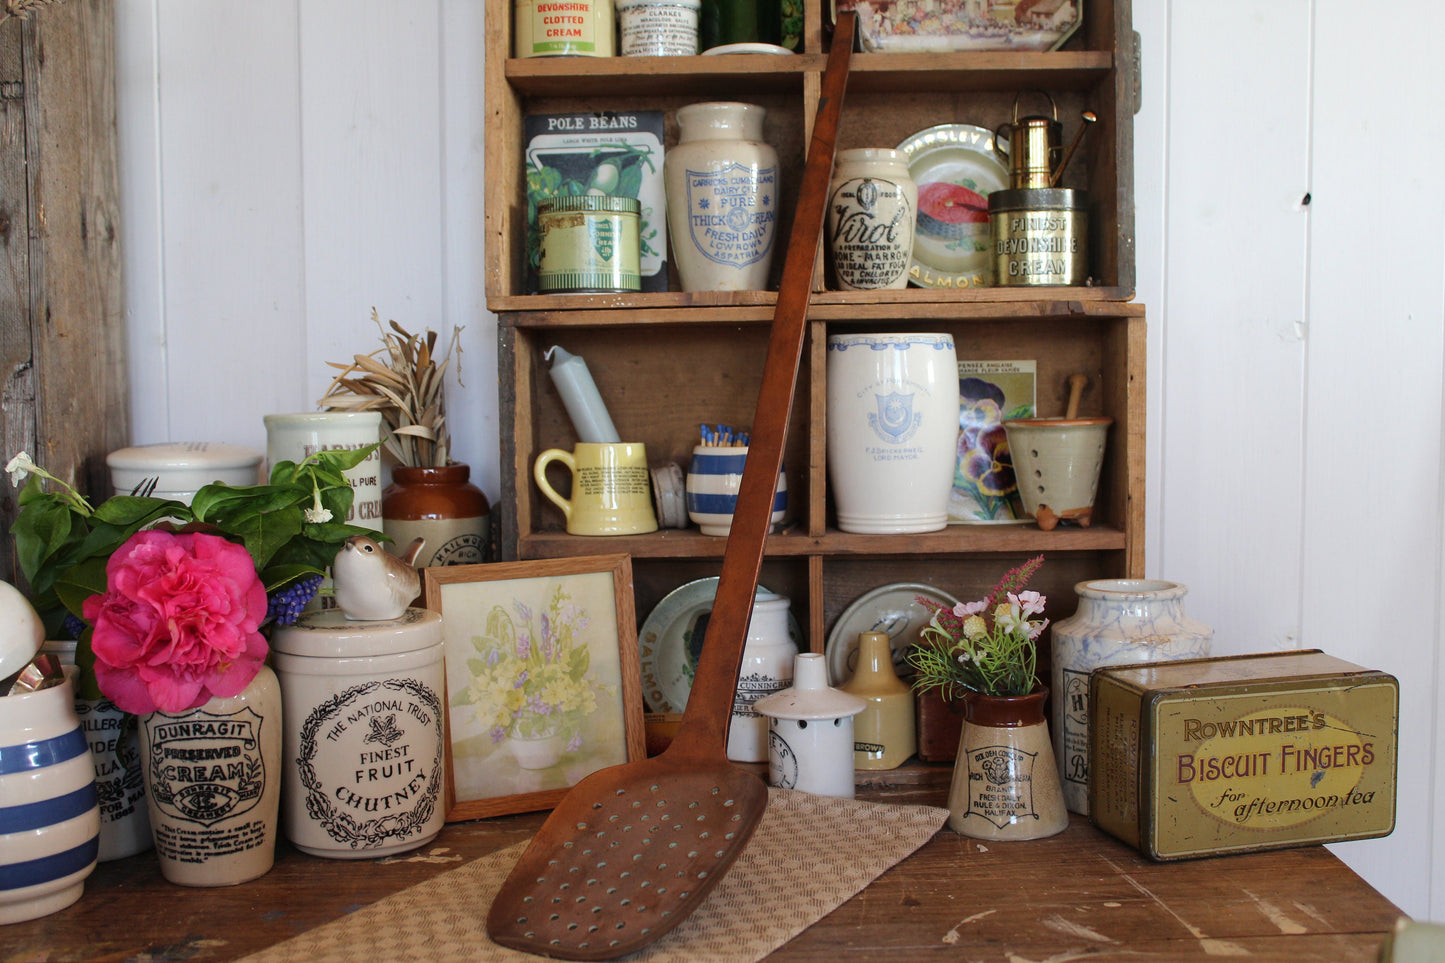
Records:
x=363, y=744
x=589, y=245
x=1207, y=756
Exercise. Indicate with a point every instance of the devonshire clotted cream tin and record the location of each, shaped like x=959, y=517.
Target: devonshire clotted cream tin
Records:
x=1207, y=756
x=364, y=750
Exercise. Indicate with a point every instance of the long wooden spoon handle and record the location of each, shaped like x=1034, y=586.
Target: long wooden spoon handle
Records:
x=704, y=725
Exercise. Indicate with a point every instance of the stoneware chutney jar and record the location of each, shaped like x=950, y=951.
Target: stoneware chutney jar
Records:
x=1005, y=784
x=722, y=197
x=1057, y=462
x=213, y=785
x=441, y=505
x=1118, y=622
x=766, y=668
x=810, y=731
x=49, y=820
x=714, y=478
x=364, y=744
x=892, y=430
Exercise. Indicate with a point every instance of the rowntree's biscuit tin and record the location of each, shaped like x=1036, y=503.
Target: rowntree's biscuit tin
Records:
x=1208, y=756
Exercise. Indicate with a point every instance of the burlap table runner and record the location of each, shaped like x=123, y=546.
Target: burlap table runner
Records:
x=808, y=855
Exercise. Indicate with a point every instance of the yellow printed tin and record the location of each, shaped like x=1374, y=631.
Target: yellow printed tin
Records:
x=1207, y=756
x=589, y=243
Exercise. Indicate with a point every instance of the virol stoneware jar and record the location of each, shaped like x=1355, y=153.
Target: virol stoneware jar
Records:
x=872, y=203
x=363, y=746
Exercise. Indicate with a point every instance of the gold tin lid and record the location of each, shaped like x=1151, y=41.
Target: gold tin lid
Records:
x=590, y=204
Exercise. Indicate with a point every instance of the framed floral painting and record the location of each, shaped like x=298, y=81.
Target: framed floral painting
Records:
x=543, y=679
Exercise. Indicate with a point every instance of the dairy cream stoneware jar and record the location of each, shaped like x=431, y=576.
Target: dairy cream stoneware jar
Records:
x=872, y=203
x=892, y=430
x=722, y=197
x=364, y=751
x=1118, y=622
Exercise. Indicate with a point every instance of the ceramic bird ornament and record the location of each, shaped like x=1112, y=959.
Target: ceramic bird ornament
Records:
x=371, y=583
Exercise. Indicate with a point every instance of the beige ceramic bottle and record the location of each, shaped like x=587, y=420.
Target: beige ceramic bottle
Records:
x=884, y=733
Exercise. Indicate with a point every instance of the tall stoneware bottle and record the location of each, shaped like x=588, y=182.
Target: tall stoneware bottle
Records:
x=1119, y=621
x=442, y=506
x=885, y=733
x=722, y=198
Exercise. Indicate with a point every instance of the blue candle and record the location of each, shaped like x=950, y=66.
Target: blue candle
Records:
x=580, y=397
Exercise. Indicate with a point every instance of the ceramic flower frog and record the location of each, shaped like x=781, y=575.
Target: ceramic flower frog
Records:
x=372, y=584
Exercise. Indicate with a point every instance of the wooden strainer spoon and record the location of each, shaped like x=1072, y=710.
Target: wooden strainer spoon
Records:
x=633, y=849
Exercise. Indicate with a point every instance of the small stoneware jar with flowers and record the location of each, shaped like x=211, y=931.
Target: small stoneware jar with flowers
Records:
x=1005, y=784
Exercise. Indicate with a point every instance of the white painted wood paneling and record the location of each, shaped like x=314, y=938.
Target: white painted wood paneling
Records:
x=1228, y=384
x=287, y=164
x=1376, y=340
x=230, y=232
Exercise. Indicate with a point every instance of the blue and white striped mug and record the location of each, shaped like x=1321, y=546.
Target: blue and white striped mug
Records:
x=49, y=819
x=713, y=479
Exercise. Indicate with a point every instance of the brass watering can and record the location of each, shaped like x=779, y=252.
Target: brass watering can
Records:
x=1035, y=156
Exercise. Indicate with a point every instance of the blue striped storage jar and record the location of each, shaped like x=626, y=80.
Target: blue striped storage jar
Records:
x=49, y=820
x=713, y=479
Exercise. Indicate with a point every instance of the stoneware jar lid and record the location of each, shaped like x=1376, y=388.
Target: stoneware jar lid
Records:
x=330, y=635
x=810, y=696
x=21, y=632
x=182, y=466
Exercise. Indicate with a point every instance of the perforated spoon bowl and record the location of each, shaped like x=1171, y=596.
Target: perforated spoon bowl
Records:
x=633, y=849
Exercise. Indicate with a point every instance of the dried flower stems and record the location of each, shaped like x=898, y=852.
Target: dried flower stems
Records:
x=407, y=386
x=21, y=9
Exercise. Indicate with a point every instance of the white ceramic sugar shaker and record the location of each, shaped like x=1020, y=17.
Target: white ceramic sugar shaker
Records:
x=810, y=731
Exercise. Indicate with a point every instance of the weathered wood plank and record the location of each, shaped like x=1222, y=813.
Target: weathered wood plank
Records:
x=63, y=347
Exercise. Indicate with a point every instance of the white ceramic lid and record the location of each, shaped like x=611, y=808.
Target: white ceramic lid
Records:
x=810, y=696
x=182, y=466
x=329, y=634
x=21, y=632
x=747, y=48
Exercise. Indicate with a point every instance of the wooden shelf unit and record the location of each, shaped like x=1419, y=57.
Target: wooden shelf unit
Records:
x=667, y=362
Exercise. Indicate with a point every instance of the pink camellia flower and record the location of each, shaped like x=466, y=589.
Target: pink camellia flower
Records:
x=178, y=622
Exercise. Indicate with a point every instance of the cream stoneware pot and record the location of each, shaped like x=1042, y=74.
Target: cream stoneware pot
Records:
x=892, y=430
x=291, y=437
x=213, y=785
x=767, y=667
x=49, y=820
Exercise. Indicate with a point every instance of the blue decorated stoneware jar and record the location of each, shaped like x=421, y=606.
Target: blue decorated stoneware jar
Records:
x=1118, y=622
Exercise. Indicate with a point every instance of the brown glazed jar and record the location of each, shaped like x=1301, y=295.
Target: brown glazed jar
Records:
x=442, y=506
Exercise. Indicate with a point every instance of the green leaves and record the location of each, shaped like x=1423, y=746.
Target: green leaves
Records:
x=62, y=546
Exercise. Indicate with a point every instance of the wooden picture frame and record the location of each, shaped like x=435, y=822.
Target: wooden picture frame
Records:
x=544, y=683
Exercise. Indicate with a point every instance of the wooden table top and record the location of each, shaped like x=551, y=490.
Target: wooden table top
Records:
x=1080, y=894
